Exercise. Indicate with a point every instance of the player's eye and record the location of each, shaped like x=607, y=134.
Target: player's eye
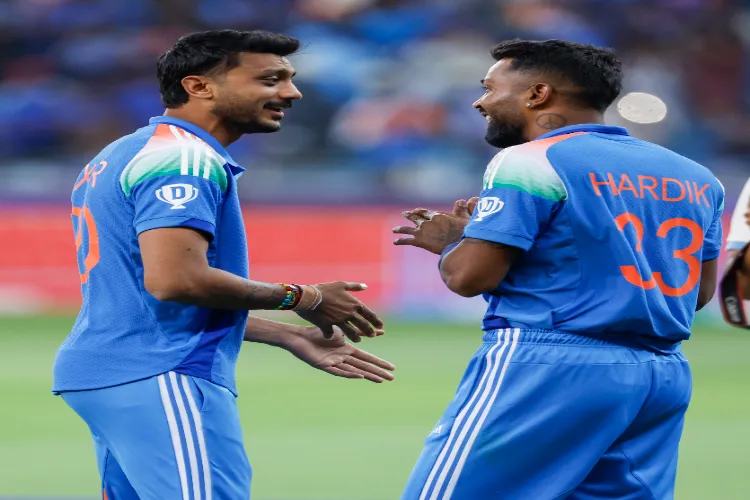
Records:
x=270, y=80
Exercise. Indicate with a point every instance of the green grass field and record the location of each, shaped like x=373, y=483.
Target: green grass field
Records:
x=312, y=436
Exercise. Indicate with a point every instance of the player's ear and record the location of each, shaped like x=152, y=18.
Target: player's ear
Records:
x=198, y=87
x=539, y=94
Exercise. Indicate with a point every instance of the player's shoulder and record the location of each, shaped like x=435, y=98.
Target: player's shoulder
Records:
x=526, y=168
x=164, y=150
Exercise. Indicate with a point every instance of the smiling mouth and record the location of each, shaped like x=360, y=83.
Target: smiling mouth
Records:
x=276, y=113
x=279, y=108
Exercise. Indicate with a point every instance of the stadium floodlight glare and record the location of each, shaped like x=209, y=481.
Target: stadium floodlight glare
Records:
x=641, y=107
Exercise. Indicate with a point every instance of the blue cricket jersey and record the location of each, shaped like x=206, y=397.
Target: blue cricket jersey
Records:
x=614, y=230
x=168, y=174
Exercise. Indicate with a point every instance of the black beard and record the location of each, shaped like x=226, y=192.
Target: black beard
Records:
x=504, y=135
x=242, y=123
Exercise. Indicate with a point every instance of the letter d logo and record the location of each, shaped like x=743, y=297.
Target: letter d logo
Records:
x=177, y=195
x=488, y=206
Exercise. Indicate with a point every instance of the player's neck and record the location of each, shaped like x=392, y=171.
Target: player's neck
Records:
x=548, y=121
x=208, y=122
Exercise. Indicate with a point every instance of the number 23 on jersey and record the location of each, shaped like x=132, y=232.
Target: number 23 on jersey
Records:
x=687, y=254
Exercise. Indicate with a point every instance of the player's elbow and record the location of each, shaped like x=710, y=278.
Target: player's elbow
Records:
x=464, y=284
x=708, y=283
x=704, y=297
x=702, y=302
x=168, y=288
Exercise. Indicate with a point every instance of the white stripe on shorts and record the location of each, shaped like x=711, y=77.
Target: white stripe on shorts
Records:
x=454, y=442
x=175, y=434
x=192, y=457
x=201, y=439
x=482, y=418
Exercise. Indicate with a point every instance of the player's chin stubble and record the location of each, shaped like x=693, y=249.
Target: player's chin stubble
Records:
x=504, y=135
x=244, y=123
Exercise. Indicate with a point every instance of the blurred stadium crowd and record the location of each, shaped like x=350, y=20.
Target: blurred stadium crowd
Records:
x=388, y=86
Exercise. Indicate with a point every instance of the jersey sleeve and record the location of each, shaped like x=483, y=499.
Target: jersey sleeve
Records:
x=521, y=192
x=739, y=230
x=175, y=185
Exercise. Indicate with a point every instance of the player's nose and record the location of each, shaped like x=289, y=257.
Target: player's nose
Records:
x=291, y=92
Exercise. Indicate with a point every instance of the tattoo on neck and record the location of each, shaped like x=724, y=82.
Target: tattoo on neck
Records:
x=551, y=121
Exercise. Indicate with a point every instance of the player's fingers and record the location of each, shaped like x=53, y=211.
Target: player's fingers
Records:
x=405, y=230
x=372, y=318
x=423, y=212
x=327, y=330
x=372, y=359
x=472, y=205
x=350, y=332
x=363, y=326
x=341, y=373
x=365, y=374
x=414, y=211
x=419, y=214
x=371, y=369
x=417, y=219
x=355, y=287
x=406, y=241
x=459, y=207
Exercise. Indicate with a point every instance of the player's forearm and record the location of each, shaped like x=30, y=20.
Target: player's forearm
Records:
x=217, y=289
x=265, y=331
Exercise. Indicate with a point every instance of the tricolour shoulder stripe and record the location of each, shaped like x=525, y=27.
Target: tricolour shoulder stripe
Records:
x=172, y=151
x=183, y=150
x=527, y=168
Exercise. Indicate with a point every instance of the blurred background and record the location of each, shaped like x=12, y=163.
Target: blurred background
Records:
x=385, y=124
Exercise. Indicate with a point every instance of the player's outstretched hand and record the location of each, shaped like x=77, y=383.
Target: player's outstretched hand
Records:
x=433, y=230
x=340, y=308
x=336, y=356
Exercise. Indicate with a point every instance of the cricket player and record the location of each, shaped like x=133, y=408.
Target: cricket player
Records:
x=593, y=250
x=735, y=285
x=163, y=260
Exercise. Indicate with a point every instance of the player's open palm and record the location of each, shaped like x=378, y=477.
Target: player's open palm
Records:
x=340, y=308
x=336, y=356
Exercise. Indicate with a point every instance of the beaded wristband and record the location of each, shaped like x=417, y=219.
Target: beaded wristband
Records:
x=291, y=298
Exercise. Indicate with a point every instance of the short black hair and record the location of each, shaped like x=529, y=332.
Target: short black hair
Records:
x=595, y=71
x=209, y=52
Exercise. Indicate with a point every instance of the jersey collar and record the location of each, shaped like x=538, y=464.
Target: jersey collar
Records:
x=203, y=135
x=585, y=127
